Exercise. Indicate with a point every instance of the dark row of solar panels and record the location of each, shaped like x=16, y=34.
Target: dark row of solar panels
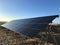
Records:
x=31, y=26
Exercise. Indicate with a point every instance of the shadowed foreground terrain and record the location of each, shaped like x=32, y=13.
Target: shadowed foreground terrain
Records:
x=8, y=37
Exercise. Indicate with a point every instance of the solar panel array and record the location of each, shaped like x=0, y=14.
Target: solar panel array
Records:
x=31, y=26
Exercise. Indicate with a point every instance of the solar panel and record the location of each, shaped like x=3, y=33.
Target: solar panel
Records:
x=31, y=26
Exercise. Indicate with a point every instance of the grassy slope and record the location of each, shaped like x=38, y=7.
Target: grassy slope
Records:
x=2, y=23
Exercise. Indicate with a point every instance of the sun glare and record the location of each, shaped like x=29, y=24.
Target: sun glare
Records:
x=2, y=18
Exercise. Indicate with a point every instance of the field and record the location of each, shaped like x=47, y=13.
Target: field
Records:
x=8, y=37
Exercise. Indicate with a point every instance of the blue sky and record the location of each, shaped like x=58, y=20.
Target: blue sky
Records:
x=18, y=9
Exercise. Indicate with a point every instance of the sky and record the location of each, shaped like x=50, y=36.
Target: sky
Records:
x=20, y=9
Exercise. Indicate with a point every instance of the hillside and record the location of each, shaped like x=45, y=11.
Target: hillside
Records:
x=2, y=23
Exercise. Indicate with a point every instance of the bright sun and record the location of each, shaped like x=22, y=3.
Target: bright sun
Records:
x=2, y=18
